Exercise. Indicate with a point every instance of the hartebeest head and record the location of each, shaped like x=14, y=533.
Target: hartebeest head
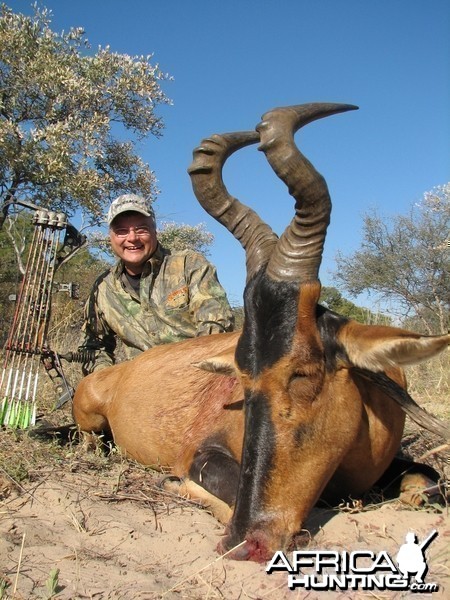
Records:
x=301, y=366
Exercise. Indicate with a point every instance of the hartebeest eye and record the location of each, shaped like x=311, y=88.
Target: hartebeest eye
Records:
x=299, y=374
x=304, y=385
x=298, y=377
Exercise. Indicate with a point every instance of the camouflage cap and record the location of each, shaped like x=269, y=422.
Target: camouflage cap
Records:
x=129, y=202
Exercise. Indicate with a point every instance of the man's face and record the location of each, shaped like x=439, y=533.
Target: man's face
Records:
x=133, y=239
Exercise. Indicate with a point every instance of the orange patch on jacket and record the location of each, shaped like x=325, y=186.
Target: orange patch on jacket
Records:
x=178, y=297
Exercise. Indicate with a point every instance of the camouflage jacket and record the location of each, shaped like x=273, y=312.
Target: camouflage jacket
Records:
x=179, y=297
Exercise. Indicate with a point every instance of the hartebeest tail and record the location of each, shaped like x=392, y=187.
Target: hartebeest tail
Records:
x=302, y=404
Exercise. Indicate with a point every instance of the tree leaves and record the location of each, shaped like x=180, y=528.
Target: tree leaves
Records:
x=69, y=118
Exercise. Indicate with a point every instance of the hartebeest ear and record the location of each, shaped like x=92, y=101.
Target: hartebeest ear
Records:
x=222, y=364
x=377, y=348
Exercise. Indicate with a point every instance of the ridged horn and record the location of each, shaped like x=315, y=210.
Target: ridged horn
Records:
x=256, y=237
x=298, y=254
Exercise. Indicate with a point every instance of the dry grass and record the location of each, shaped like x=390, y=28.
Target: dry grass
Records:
x=429, y=384
x=26, y=460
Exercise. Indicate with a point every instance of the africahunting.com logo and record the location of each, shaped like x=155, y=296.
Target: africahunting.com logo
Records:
x=359, y=569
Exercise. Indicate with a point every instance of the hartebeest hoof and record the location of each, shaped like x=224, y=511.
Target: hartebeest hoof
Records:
x=417, y=489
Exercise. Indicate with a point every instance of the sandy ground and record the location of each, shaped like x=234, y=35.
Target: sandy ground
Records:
x=113, y=535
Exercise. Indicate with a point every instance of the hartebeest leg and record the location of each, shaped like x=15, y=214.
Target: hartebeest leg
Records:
x=213, y=481
x=189, y=489
x=409, y=481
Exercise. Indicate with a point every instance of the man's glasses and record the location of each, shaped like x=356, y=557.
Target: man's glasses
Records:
x=123, y=232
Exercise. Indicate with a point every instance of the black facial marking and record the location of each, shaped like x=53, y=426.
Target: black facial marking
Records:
x=269, y=325
x=257, y=463
x=329, y=323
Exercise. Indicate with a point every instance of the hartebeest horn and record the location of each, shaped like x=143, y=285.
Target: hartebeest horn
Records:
x=298, y=254
x=256, y=237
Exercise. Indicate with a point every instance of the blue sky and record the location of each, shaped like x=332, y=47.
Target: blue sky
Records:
x=233, y=60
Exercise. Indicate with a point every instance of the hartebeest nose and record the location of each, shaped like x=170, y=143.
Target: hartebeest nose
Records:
x=256, y=547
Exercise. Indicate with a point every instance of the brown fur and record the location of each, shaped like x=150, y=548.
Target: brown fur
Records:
x=158, y=406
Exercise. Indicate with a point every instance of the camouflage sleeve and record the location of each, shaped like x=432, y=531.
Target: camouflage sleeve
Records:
x=209, y=306
x=98, y=339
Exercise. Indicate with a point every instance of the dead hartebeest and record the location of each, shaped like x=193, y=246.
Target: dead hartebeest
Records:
x=302, y=404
